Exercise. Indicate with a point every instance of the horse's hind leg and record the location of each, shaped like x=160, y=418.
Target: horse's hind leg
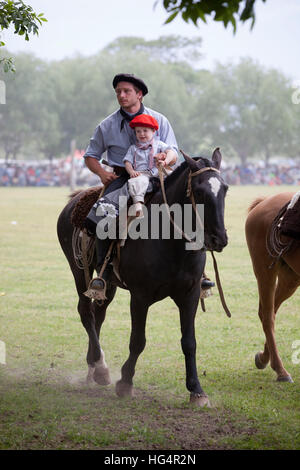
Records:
x=266, y=282
x=99, y=371
x=287, y=283
x=92, y=316
x=87, y=316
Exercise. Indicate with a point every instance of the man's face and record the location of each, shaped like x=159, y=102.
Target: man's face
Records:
x=127, y=95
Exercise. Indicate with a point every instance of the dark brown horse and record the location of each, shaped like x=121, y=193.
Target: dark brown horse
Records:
x=154, y=269
x=276, y=281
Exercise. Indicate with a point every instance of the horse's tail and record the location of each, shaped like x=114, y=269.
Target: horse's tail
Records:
x=257, y=201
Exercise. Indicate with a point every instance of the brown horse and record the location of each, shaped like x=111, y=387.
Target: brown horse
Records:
x=276, y=281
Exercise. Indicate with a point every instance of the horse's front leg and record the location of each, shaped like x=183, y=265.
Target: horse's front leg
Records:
x=187, y=303
x=138, y=310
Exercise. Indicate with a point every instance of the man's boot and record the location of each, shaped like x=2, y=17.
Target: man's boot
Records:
x=206, y=283
x=97, y=286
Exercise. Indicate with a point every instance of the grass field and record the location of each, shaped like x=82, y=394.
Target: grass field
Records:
x=44, y=401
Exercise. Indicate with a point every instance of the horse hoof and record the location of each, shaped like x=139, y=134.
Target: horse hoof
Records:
x=285, y=378
x=199, y=400
x=123, y=389
x=101, y=376
x=258, y=363
x=90, y=374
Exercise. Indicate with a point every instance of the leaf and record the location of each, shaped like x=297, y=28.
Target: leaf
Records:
x=171, y=17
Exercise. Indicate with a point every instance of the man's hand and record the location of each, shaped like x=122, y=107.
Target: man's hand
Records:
x=165, y=158
x=160, y=159
x=107, y=177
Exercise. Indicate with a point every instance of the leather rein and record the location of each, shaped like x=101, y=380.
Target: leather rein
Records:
x=190, y=194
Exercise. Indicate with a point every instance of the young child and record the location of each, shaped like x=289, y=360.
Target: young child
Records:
x=140, y=159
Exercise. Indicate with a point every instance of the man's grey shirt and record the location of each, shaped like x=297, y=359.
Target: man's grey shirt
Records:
x=108, y=137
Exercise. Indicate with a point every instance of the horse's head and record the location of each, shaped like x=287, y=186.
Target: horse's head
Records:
x=208, y=188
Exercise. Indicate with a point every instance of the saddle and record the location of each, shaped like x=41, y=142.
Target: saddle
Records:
x=91, y=195
x=285, y=228
x=290, y=221
x=84, y=243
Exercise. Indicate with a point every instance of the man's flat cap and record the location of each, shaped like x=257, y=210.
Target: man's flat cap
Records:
x=128, y=77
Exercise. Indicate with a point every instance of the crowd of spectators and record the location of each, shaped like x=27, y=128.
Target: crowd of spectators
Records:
x=58, y=173
x=260, y=174
x=39, y=173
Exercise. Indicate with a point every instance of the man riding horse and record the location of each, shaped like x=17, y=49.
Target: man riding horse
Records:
x=114, y=136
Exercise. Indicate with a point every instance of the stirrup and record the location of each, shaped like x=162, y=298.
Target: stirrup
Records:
x=96, y=294
x=206, y=291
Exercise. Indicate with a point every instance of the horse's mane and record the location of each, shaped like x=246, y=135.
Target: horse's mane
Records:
x=255, y=203
x=181, y=168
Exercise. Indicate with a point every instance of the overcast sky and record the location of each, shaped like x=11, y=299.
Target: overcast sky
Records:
x=86, y=26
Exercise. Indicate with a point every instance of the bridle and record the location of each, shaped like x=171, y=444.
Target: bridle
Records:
x=190, y=194
x=189, y=190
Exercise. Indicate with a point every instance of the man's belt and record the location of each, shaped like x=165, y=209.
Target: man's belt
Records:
x=119, y=170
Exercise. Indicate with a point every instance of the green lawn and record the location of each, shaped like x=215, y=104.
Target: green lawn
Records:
x=44, y=401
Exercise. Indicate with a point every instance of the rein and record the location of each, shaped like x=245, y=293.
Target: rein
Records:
x=190, y=194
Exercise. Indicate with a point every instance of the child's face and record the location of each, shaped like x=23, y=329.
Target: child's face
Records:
x=143, y=134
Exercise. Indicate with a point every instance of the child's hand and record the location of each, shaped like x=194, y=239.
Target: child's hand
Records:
x=134, y=174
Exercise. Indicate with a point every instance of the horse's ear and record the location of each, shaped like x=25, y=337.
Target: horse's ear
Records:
x=190, y=161
x=217, y=158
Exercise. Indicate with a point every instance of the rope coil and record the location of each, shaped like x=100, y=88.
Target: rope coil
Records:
x=276, y=247
x=82, y=255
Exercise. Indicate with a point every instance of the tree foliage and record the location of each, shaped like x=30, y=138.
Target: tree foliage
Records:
x=224, y=11
x=166, y=49
x=245, y=108
x=24, y=20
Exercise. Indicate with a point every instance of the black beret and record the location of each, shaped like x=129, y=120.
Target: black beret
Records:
x=128, y=77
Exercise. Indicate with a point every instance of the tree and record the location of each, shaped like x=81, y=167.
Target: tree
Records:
x=166, y=49
x=246, y=109
x=258, y=115
x=24, y=20
x=29, y=121
x=225, y=12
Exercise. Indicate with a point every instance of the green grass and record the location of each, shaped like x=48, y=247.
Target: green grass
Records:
x=44, y=401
